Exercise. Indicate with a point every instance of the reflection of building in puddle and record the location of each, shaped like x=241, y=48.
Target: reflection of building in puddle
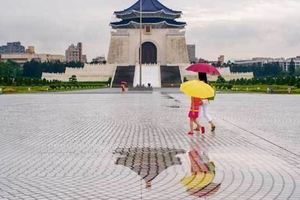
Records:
x=200, y=182
x=148, y=162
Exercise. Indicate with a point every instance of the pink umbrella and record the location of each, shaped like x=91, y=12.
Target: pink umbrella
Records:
x=204, y=68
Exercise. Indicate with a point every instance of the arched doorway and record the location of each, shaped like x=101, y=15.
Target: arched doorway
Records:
x=149, y=53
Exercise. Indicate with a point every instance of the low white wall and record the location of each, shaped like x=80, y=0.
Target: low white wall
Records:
x=90, y=72
x=225, y=73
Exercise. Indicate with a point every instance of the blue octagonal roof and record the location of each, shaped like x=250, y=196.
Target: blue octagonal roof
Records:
x=151, y=6
x=127, y=22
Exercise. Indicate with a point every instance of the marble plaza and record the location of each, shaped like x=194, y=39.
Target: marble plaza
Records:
x=107, y=145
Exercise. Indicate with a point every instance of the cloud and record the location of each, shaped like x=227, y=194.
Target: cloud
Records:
x=235, y=28
x=253, y=28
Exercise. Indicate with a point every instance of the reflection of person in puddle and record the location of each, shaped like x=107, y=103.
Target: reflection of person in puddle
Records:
x=200, y=162
x=200, y=182
x=148, y=184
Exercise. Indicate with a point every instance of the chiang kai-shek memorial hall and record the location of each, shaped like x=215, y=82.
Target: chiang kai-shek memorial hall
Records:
x=156, y=29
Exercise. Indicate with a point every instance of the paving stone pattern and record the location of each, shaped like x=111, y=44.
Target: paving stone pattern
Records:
x=135, y=146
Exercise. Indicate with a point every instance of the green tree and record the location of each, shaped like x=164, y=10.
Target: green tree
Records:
x=279, y=80
x=73, y=79
x=292, y=81
x=298, y=83
x=73, y=64
x=232, y=82
x=10, y=69
x=221, y=80
x=292, y=67
x=297, y=71
x=270, y=81
x=33, y=69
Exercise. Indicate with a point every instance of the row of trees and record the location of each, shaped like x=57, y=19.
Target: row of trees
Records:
x=10, y=69
x=268, y=69
x=264, y=70
x=34, y=69
x=278, y=80
x=12, y=73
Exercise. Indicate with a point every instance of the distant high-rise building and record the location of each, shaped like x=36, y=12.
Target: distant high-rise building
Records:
x=83, y=59
x=201, y=60
x=74, y=53
x=12, y=48
x=30, y=50
x=191, y=52
x=221, y=59
x=283, y=63
x=100, y=59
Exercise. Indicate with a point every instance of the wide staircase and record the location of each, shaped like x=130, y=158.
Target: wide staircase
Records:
x=150, y=75
x=123, y=73
x=170, y=76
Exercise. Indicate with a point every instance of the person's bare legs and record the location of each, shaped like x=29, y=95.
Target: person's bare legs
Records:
x=212, y=125
x=191, y=126
x=208, y=117
x=197, y=123
x=199, y=127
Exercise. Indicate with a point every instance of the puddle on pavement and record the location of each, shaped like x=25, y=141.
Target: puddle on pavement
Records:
x=200, y=180
x=148, y=163
x=175, y=100
x=173, y=106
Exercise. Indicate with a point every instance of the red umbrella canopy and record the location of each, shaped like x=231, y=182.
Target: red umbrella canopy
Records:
x=204, y=68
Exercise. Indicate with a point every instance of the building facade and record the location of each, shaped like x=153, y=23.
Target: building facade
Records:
x=162, y=37
x=30, y=50
x=147, y=47
x=74, y=53
x=99, y=60
x=12, y=48
x=26, y=57
x=221, y=59
x=191, y=48
x=283, y=63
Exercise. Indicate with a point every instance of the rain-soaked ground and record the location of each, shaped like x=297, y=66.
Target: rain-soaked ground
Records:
x=107, y=145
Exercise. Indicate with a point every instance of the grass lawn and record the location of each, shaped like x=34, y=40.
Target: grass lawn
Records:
x=277, y=89
x=38, y=89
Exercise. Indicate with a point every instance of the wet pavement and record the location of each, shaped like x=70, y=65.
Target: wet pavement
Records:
x=107, y=145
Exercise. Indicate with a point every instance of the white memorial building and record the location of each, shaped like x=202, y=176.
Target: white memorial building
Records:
x=155, y=29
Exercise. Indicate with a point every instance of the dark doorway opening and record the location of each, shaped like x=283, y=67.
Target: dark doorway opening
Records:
x=149, y=53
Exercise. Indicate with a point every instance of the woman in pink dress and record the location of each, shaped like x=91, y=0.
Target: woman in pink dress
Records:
x=194, y=114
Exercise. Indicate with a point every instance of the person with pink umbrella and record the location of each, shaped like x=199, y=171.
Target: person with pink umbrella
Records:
x=203, y=69
x=207, y=116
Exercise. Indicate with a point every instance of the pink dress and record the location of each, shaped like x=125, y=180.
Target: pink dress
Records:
x=195, y=106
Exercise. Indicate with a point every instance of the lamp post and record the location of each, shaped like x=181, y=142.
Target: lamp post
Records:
x=141, y=26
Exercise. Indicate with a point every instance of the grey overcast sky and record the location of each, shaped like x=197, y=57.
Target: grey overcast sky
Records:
x=236, y=28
